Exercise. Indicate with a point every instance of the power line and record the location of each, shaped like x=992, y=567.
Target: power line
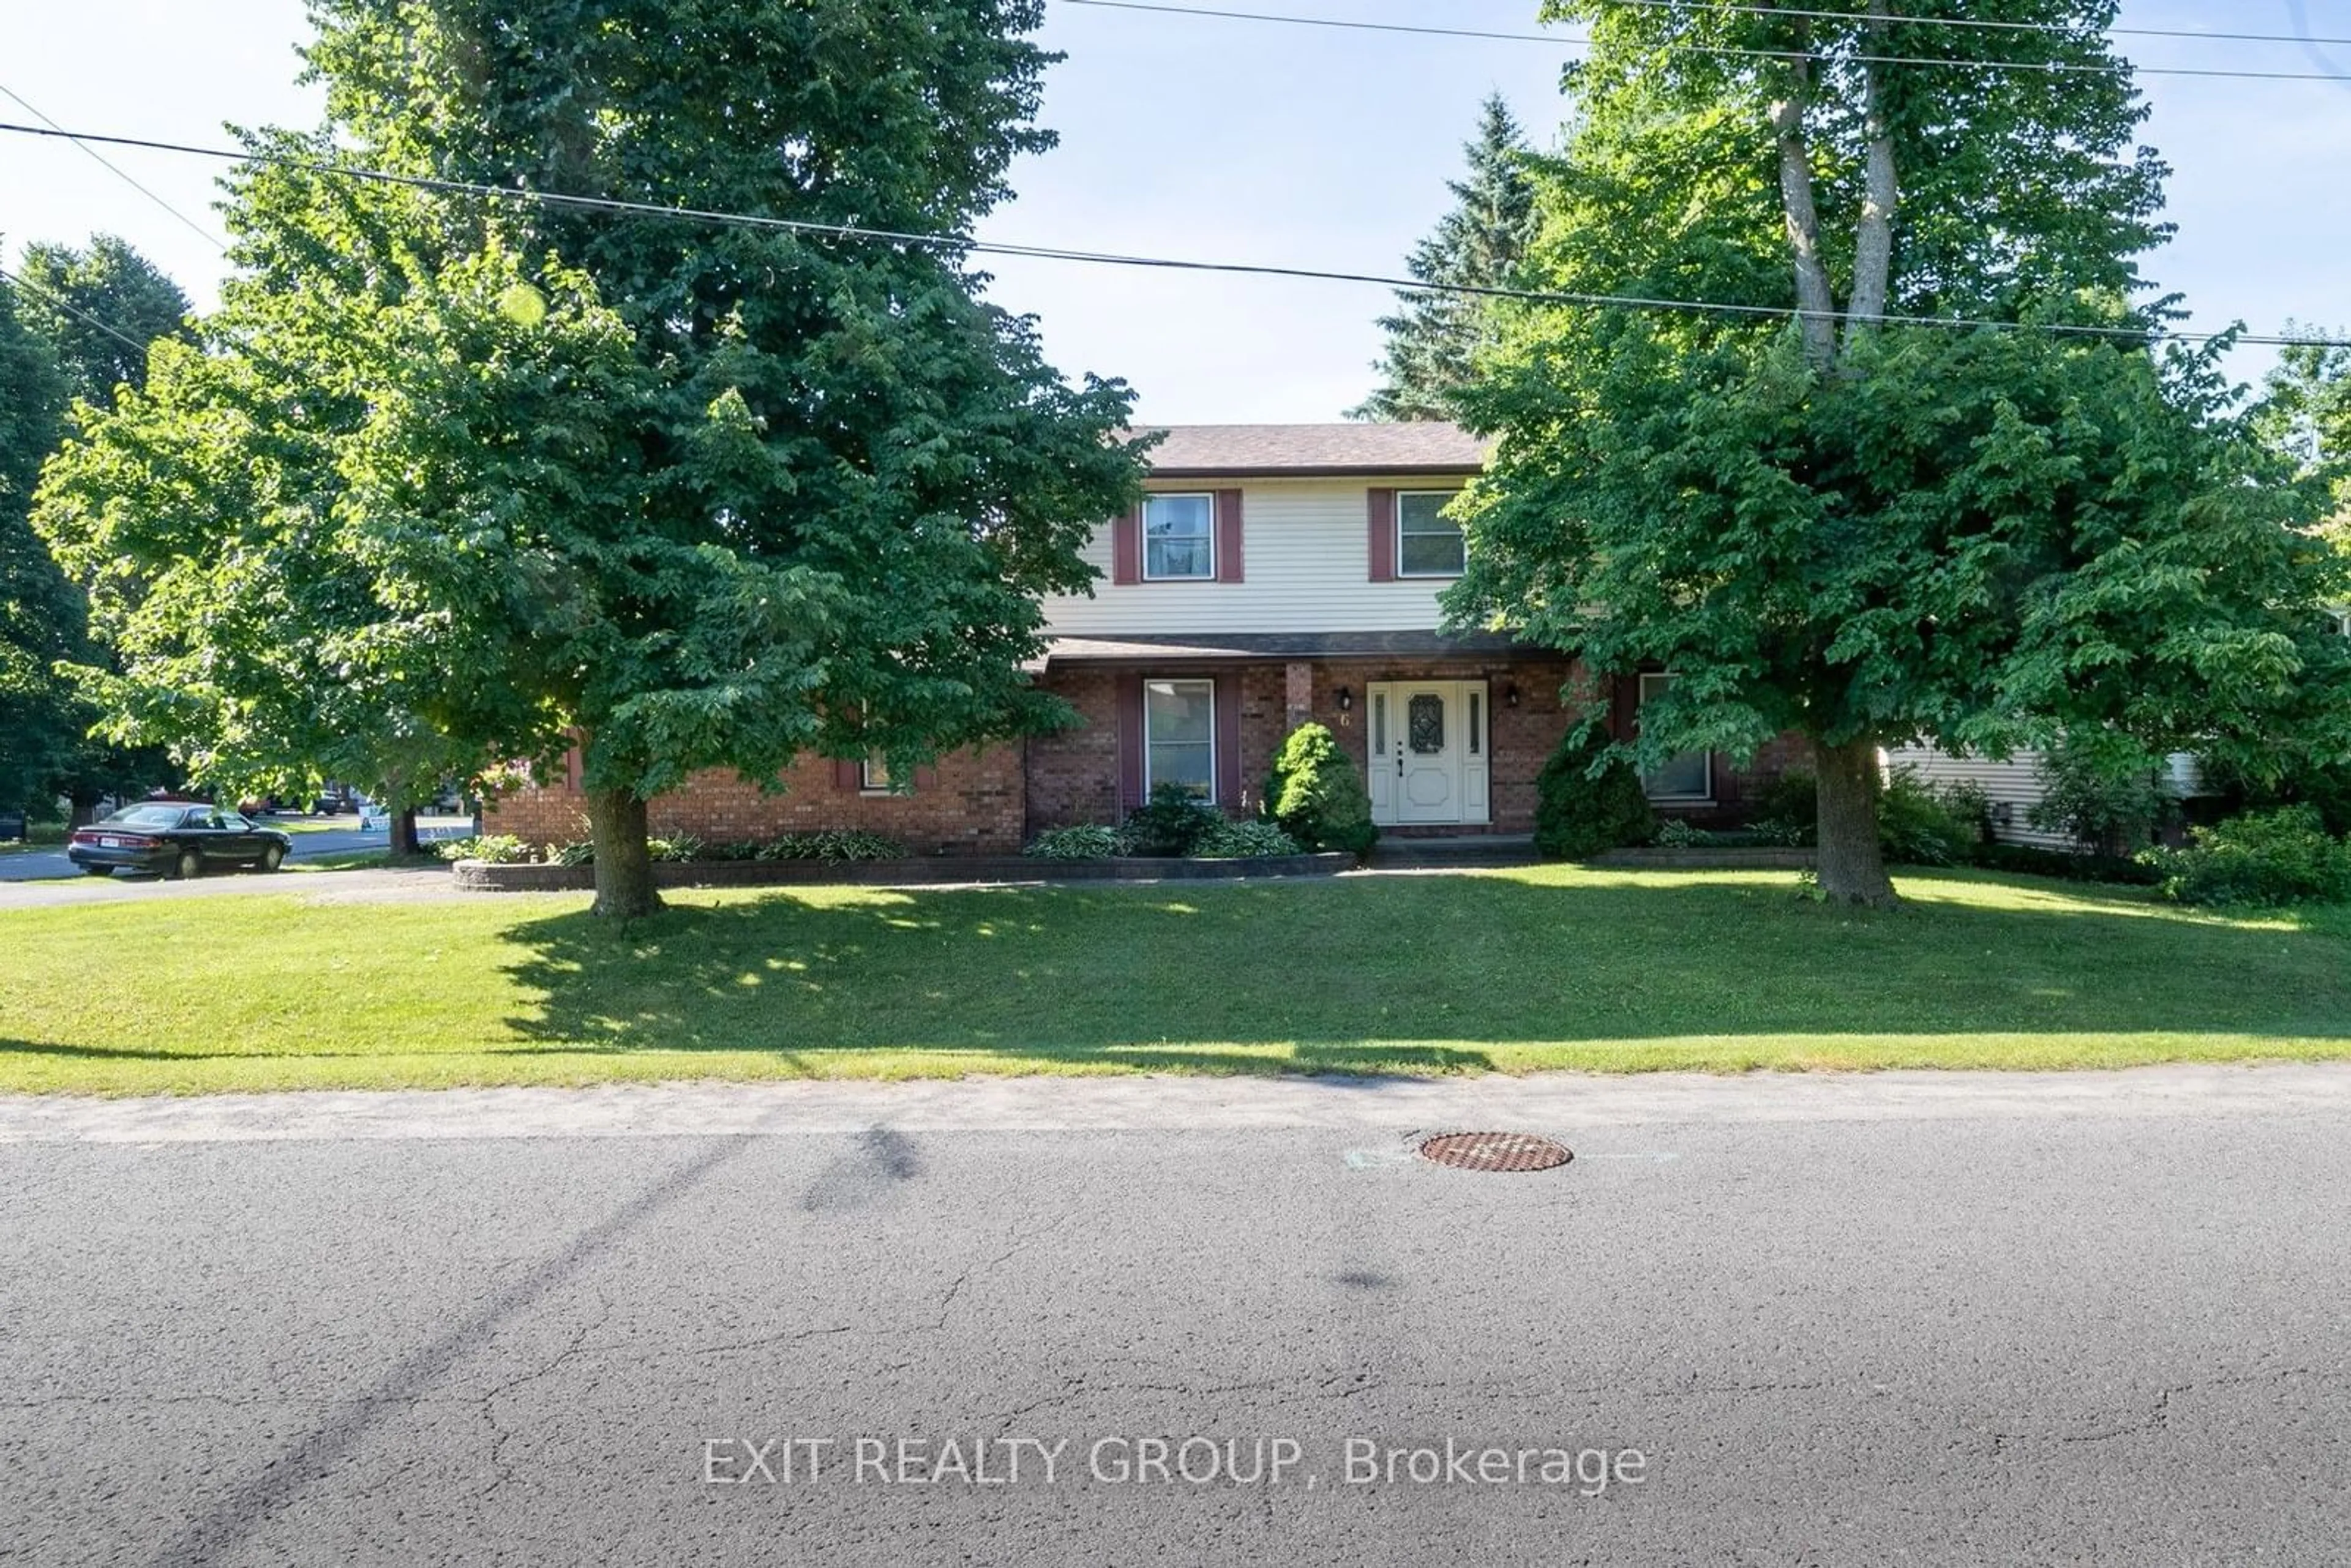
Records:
x=2042, y=68
x=962, y=243
x=1735, y=6
x=71, y=309
x=202, y=233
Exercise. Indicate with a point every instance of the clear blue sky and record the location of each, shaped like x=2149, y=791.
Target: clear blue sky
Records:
x=1228, y=140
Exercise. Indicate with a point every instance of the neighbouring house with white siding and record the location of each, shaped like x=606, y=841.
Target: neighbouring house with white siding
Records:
x=2014, y=787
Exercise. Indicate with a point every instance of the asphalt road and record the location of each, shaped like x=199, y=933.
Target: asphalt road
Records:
x=1899, y=1319
x=309, y=844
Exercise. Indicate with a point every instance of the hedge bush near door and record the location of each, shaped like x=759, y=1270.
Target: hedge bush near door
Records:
x=1315, y=794
x=1587, y=803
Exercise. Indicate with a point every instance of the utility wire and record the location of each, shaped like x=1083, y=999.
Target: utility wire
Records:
x=71, y=309
x=2048, y=68
x=202, y=233
x=959, y=244
x=1737, y=7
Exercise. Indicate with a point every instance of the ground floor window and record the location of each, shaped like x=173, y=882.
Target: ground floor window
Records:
x=1689, y=776
x=1179, y=728
x=873, y=776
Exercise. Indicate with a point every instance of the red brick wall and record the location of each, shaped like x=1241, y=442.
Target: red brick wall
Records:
x=970, y=804
x=1073, y=776
x=991, y=802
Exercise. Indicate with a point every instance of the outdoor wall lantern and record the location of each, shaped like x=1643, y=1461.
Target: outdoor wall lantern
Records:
x=1510, y=695
x=1346, y=699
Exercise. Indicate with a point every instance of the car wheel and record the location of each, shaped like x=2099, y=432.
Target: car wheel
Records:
x=98, y=871
x=192, y=865
x=273, y=857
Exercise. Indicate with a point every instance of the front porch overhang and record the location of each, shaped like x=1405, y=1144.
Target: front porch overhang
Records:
x=1260, y=647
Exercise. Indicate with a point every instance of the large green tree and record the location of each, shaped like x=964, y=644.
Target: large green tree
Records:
x=1433, y=338
x=97, y=308
x=40, y=614
x=1823, y=521
x=478, y=481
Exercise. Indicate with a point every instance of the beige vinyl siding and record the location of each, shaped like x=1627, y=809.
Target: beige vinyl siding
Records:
x=2015, y=783
x=1306, y=564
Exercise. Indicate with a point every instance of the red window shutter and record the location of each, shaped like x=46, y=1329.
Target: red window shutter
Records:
x=1130, y=742
x=926, y=778
x=1229, y=742
x=1380, y=510
x=1126, y=547
x=848, y=774
x=1228, y=536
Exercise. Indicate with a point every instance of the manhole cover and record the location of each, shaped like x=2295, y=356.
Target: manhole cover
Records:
x=1495, y=1151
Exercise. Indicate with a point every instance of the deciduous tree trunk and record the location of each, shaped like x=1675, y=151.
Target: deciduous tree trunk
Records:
x=404, y=834
x=1815, y=301
x=624, y=863
x=1873, y=249
x=1852, y=866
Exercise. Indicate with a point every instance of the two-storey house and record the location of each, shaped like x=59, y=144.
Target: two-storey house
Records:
x=1272, y=574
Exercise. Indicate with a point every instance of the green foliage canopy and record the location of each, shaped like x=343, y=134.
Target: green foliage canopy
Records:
x=1868, y=533
x=470, y=482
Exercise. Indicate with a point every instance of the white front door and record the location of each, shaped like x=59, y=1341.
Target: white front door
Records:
x=1429, y=751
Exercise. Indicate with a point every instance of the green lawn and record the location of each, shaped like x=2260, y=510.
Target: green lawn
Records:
x=1556, y=967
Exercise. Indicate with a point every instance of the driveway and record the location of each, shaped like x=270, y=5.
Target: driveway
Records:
x=317, y=836
x=1790, y=1319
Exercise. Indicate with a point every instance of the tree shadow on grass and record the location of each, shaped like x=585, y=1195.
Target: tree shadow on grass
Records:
x=1388, y=975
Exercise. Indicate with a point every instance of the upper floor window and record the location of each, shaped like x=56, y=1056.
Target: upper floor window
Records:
x=2343, y=621
x=1179, y=538
x=1686, y=776
x=1429, y=544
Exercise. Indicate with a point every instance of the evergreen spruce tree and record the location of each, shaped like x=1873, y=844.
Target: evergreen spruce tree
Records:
x=86, y=302
x=1432, y=337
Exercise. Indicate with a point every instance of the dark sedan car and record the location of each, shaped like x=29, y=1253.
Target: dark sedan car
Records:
x=175, y=837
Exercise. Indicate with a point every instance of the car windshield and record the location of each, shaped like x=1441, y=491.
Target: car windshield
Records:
x=146, y=817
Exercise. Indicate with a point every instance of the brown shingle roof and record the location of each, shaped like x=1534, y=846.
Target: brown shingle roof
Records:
x=1202, y=451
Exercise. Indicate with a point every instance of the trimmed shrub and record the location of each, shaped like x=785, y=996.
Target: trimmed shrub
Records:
x=1170, y=823
x=1316, y=796
x=2285, y=856
x=1086, y=841
x=499, y=849
x=1919, y=825
x=1243, y=841
x=1588, y=801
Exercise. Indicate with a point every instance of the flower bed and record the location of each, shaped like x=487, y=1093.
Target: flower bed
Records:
x=485, y=876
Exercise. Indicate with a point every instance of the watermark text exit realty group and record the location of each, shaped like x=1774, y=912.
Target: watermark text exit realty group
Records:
x=1160, y=1461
